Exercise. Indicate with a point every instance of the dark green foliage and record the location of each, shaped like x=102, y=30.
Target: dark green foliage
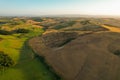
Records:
x=37, y=19
x=59, y=26
x=117, y=52
x=117, y=26
x=15, y=23
x=64, y=25
x=4, y=32
x=71, y=23
x=88, y=28
x=42, y=59
x=5, y=60
x=2, y=23
x=21, y=31
x=85, y=22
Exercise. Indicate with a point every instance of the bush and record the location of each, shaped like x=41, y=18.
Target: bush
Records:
x=64, y=25
x=4, y=32
x=85, y=22
x=117, y=52
x=5, y=60
x=21, y=31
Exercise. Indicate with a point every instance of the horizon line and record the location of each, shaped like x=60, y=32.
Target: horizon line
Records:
x=61, y=15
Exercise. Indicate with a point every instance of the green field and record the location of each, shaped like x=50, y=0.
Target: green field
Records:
x=27, y=66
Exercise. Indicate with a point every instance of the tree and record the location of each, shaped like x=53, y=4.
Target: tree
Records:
x=22, y=31
x=5, y=60
x=4, y=32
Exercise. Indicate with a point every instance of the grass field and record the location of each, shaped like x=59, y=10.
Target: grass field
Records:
x=27, y=66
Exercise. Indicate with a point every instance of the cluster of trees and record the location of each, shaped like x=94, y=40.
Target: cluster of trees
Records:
x=38, y=19
x=4, y=32
x=21, y=31
x=3, y=22
x=117, y=52
x=85, y=22
x=5, y=60
x=64, y=25
x=16, y=22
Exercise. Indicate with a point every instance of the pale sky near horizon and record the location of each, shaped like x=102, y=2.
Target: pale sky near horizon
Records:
x=59, y=7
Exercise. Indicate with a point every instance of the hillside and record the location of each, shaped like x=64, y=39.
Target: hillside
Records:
x=26, y=65
x=67, y=48
x=89, y=56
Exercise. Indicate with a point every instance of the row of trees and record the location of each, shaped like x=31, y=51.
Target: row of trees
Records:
x=4, y=32
x=64, y=25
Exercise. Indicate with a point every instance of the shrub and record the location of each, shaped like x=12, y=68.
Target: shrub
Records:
x=64, y=25
x=5, y=60
x=117, y=52
x=22, y=31
x=4, y=32
x=85, y=22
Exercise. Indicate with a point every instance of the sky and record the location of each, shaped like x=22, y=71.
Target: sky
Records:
x=59, y=7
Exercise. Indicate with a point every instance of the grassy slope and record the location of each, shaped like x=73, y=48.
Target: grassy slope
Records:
x=27, y=66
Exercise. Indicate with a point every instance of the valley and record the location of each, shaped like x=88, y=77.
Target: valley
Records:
x=57, y=48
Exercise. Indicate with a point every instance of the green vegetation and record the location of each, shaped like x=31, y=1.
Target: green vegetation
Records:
x=87, y=28
x=117, y=52
x=64, y=25
x=85, y=22
x=90, y=28
x=112, y=25
x=27, y=65
x=4, y=32
x=38, y=19
x=5, y=60
x=22, y=31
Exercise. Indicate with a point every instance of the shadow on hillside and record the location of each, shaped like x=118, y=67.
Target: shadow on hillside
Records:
x=34, y=66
